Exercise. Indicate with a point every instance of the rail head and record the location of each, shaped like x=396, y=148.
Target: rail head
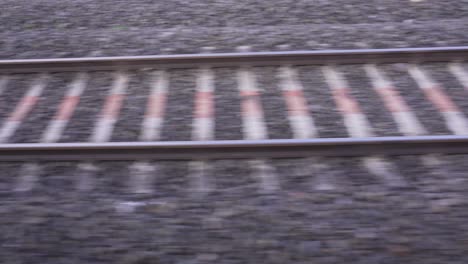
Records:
x=235, y=149
x=316, y=57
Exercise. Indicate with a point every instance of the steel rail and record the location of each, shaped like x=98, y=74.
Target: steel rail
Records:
x=235, y=149
x=317, y=57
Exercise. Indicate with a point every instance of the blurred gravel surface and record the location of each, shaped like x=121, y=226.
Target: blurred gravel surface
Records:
x=178, y=118
x=228, y=119
x=8, y=179
x=233, y=178
x=119, y=41
x=360, y=220
x=20, y=15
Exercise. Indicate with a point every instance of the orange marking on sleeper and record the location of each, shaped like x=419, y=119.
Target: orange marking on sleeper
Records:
x=204, y=104
x=112, y=106
x=345, y=101
x=296, y=103
x=23, y=108
x=67, y=107
x=442, y=101
x=248, y=93
x=392, y=100
x=250, y=103
x=156, y=104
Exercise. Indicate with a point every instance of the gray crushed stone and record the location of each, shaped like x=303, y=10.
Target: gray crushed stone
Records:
x=178, y=117
x=296, y=175
x=227, y=105
x=171, y=179
x=10, y=171
x=227, y=185
x=111, y=179
x=452, y=165
x=415, y=171
x=83, y=42
x=21, y=15
x=356, y=174
x=360, y=221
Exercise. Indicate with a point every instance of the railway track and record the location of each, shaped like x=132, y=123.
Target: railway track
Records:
x=37, y=128
x=360, y=147
x=296, y=106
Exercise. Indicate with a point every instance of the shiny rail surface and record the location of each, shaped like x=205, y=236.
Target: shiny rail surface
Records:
x=235, y=149
x=319, y=57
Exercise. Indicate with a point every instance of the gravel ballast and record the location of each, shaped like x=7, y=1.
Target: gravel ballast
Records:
x=361, y=220
x=20, y=15
x=227, y=105
x=179, y=112
x=83, y=42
